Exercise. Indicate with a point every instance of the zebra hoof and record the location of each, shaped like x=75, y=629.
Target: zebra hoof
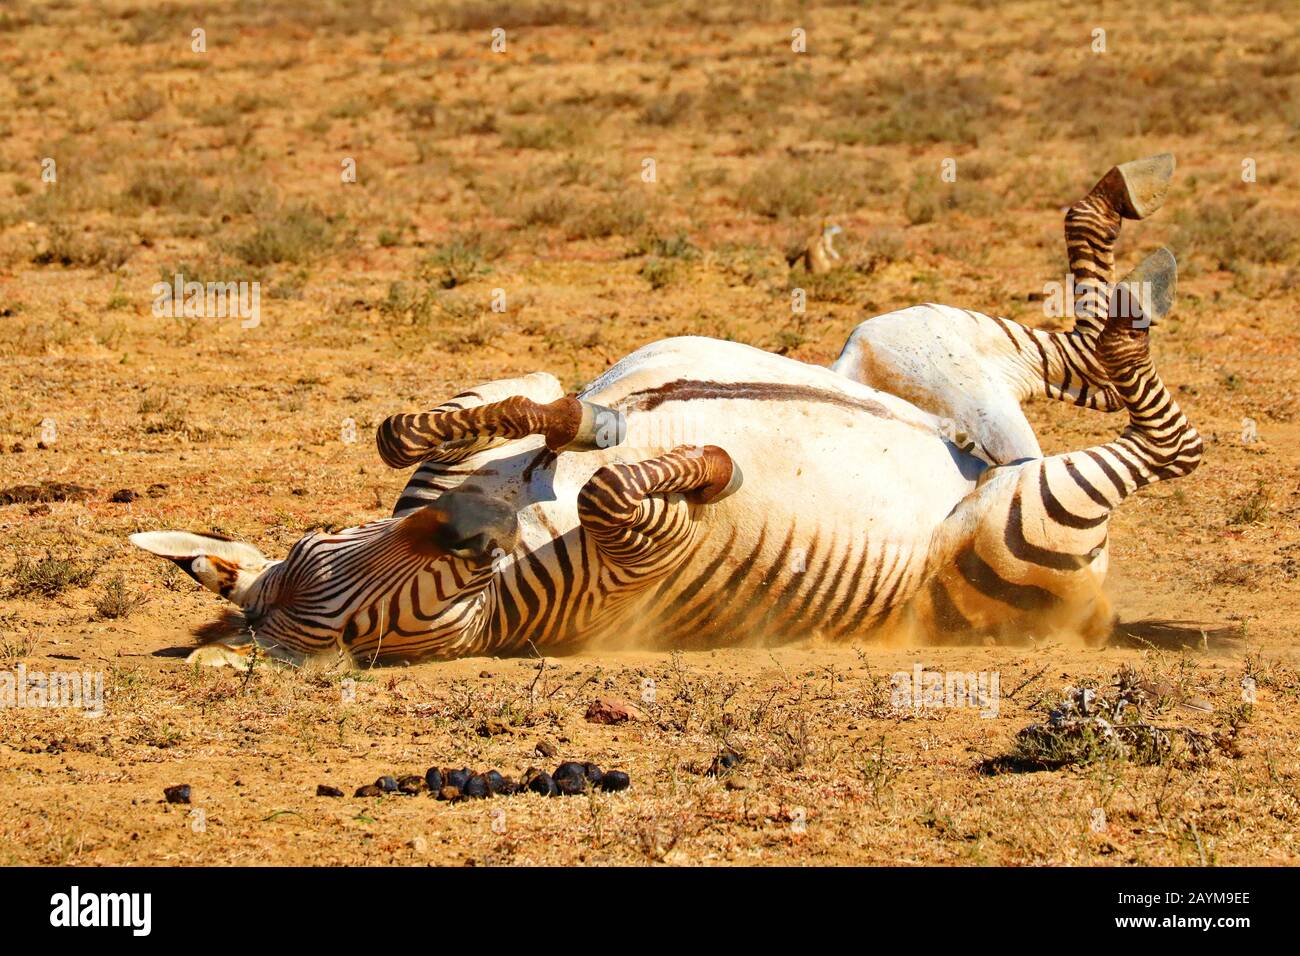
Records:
x=716, y=490
x=600, y=427
x=1146, y=182
x=1146, y=294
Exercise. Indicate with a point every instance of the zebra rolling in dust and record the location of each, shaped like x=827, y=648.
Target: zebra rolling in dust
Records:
x=704, y=493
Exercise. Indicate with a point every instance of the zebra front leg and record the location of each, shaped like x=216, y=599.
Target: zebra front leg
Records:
x=639, y=514
x=567, y=424
x=1026, y=551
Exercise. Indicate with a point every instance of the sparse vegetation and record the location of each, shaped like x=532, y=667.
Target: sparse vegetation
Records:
x=49, y=576
x=116, y=600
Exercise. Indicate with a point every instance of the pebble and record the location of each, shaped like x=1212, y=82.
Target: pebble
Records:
x=178, y=794
x=325, y=790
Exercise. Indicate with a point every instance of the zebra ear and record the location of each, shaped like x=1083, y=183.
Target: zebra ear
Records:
x=221, y=565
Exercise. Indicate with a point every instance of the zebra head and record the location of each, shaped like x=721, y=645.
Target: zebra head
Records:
x=380, y=588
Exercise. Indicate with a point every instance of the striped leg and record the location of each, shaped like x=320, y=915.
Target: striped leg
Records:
x=638, y=514
x=1027, y=550
x=567, y=423
x=977, y=369
x=1132, y=190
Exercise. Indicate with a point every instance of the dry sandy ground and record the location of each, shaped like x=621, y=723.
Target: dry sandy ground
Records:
x=521, y=170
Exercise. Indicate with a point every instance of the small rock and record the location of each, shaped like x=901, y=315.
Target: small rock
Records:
x=386, y=784
x=546, y=748
x=611, y=710
x=413, y=783
x=178, y=794
x=123, y=496
x=369, y=790
x=325, y=790
x=615, y=780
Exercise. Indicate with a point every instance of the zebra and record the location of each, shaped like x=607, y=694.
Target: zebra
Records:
x=703, y=493
x=977, y=370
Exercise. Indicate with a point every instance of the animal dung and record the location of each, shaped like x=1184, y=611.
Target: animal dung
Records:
x=410, y=784
x=613, y=781
x=724, y=763
x=570, y=786
x=178, y=794
x=539, y=781
x=571, y=778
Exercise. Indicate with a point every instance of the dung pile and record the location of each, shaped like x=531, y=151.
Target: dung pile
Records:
x=570, y=779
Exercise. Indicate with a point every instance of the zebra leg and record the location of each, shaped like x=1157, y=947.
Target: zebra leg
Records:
x=1132, y=190
x=639, y=514
x=567, y=424
x=1026, y=551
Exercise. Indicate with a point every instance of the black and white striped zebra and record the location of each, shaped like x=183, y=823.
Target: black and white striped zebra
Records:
x=536, y=519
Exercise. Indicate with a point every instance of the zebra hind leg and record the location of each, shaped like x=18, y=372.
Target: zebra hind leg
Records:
x=1132, y=190
x=1026, y=552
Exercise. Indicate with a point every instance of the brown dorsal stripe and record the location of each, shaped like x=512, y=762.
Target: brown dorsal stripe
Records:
x=686, y=390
